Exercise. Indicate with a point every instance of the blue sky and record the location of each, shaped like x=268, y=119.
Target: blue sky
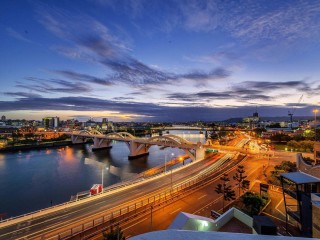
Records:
x=148, y=60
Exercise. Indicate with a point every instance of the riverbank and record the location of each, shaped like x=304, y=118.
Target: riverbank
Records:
x=36, y=146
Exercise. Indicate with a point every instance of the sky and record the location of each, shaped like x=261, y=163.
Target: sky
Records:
x=155, y=60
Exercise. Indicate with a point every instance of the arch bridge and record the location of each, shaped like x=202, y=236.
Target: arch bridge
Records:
x=138, y=146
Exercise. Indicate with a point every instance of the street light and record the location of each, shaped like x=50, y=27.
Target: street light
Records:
x=102, y=169
x=165, y=162
x=98, y=164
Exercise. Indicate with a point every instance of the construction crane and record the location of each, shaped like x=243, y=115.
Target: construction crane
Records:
x=290, y=114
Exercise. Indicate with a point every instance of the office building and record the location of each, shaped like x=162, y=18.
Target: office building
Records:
x=50, y=122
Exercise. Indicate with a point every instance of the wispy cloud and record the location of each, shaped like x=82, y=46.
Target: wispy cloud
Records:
x=83, y=77
x=271, y=86
x=252, y=21
x=22, y=94
x=200, y=15
x=17, y=35
x=93, y=40
x=248, y=91
x=54, y=86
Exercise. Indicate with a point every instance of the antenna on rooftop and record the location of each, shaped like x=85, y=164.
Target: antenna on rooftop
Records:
x=290, y=113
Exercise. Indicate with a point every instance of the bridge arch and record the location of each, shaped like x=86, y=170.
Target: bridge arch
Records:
x=178, y=141
x=122, y=135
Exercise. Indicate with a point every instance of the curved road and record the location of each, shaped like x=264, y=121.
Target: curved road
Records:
x=44, y=226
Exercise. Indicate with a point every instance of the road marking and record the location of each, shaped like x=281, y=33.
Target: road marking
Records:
x=277, y=218
x=279, y=203
x=202, y=196
x=175, y=211
x=279, y=209
x=135, y=224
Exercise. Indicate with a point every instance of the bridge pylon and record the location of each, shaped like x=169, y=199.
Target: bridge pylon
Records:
x=76, y=139
x=100, y=143
x=137, y=149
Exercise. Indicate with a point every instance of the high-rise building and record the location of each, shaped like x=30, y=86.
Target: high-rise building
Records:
x=50, y=122
x=3, y=118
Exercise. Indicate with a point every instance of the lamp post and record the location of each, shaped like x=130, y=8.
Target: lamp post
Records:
x=315, y=111
x=98, y=164
x=172, y=154
x=165, y=164
x=102, y=169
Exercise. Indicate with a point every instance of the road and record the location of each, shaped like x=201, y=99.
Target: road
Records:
x=205, y=199
x=50, y=224
x=199, y=202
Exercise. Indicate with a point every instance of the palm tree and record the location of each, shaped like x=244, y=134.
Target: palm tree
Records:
x=228, y=193
x=240, y=177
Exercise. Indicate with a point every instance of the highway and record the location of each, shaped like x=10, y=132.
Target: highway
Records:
x=50, y=224
x=199, y=202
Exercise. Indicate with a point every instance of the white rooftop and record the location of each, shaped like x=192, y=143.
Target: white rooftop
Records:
x=196, y=235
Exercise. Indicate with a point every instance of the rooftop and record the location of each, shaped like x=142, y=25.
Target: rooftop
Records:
x=172, y=234
x=236, y=226
x=300, y=177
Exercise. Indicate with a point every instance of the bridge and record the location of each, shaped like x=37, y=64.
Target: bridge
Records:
x=138, y=146
x=182, y=127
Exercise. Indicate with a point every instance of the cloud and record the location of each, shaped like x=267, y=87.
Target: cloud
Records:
x=18, y=35
x=22, y=94
x=141, y=110
x=218, y=73
x=246, y=92
x=83, y=77
x=54, y=86
x=207, y=96
x=254, y=22
x=264, y=85
x=92, y=40
x=200, y=15
x=283, y=21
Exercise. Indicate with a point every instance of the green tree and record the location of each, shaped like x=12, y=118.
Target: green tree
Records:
x=293, y=144
x=280, y=137
x=253, y=203
x=225, y=190
x=114, y=234
x=283, y=167
x=240, y=177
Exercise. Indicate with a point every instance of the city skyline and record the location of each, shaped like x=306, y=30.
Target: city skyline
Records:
x=159, y=60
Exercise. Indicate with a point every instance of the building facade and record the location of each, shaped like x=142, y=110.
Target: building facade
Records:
x=50, y=122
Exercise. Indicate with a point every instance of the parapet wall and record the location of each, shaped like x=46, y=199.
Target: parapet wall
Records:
x=306, y=168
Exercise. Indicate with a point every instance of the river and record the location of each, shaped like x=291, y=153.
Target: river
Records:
x=35, y=179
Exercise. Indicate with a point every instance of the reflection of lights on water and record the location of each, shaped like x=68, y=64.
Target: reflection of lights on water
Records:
x=2, y=161
x=67, y=154
x=48, y=151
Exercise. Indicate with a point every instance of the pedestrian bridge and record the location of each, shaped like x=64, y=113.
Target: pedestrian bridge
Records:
x=138, y=146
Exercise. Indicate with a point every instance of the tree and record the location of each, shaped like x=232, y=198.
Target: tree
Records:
x=114, y=234
x=283, y=167
x=228, y=193
x=240, y=177
x=253, y=203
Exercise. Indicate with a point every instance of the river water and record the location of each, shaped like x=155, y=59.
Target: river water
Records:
x=35, y=179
